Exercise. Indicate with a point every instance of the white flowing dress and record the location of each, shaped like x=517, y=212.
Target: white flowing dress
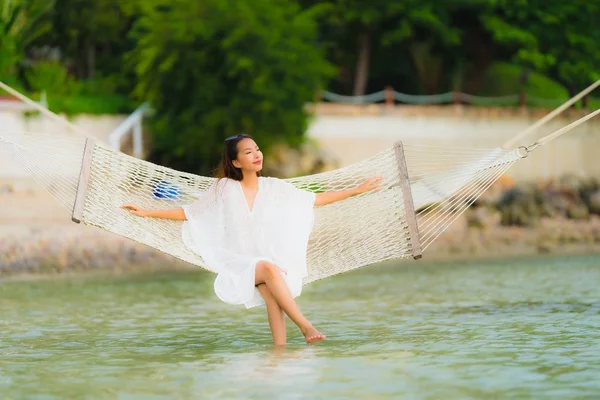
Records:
x=231, y=238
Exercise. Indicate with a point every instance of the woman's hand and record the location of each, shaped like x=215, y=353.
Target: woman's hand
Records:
x=176, y=214
x=135, y=210
x=370, y=184
x=331, y=197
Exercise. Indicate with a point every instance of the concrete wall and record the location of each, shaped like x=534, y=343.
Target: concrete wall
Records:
x=352, y=133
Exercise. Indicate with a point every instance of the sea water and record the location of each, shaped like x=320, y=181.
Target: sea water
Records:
x=519, y=328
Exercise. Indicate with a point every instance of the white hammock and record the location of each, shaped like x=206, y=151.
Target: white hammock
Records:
x=425, y=189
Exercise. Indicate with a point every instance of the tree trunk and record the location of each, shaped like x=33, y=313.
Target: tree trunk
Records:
x=346, y=78
x=90, y=61
x=429, y=65
x=362, y=65
x=572, y=93
x=482, y=53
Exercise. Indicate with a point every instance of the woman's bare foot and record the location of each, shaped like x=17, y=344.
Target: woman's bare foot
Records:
x=312, y=335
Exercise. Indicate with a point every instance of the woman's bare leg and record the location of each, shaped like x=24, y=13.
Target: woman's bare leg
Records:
x=275, y=314
x=270, y=274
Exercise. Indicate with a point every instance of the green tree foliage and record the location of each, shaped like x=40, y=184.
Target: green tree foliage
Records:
x=450, y=44
x=21, y=23
x=217, y=68
x=92, y=38
x=359, y=32
x=558, y=37
x=49, y=76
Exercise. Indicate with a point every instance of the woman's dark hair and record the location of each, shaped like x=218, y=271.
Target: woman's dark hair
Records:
x=230, y=152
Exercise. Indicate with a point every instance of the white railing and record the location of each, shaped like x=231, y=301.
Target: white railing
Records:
x=131, y=125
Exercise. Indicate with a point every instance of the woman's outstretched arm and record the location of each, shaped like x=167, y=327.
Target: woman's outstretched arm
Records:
x=176, y=214
x=331, y=197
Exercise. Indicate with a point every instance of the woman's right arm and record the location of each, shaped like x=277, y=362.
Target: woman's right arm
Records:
x=176, y=214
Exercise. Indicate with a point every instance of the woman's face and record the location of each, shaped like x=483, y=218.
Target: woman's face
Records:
x=249, y=156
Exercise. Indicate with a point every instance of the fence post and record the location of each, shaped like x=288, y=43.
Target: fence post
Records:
x=455, y=97
x=389, y=96
x=584, y=102
x=522, y=98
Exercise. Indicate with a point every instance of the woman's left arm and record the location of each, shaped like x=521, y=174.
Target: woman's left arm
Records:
x=331, y=197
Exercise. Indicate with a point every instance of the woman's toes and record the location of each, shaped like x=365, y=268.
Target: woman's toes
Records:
x=315, y=338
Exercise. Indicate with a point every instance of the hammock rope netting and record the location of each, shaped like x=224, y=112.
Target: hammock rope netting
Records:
x=424, y=190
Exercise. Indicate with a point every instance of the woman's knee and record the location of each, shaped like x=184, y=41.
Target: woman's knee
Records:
x=267, y=269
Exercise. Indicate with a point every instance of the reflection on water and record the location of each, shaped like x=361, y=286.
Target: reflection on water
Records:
x=526, y=328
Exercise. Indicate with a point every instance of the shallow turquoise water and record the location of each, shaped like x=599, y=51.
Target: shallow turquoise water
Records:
x=526, y=328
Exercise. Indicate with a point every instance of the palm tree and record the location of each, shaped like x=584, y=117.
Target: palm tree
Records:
x=21, y=22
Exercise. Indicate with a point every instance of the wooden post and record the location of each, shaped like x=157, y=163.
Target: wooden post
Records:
x=584, y=102
x=455, y=97
x=389, y=96
x=522, y=98
x=84, y=178
x=409, y=208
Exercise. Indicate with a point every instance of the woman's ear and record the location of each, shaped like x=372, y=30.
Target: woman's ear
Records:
x=236, y=163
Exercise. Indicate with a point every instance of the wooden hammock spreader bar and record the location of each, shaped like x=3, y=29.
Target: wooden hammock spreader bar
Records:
x=84, y=178
x=409, y=208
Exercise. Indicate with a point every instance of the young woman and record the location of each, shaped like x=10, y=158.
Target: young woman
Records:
x=253, y=231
